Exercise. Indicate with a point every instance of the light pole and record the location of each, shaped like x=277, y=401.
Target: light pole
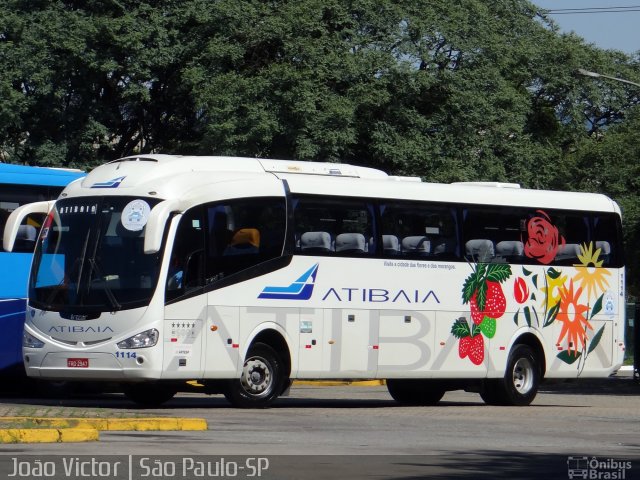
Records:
x=587, y=73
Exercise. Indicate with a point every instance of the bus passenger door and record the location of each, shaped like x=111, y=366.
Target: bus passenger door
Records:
x=185, y=309
x=183, y=339
x=222, y=341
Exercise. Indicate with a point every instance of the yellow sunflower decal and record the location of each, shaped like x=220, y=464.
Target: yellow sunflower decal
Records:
x=551, y=290
x=571, y=314
x=591, y=276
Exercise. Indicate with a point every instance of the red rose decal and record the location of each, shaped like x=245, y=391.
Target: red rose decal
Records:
x=542, y=244
x=520, y=290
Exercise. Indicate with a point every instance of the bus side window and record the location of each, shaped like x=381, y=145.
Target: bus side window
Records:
x=607, y=241
x=242, y=234
x=495, y=234
x=334, y=226
x=573, y=235
x=419, y=230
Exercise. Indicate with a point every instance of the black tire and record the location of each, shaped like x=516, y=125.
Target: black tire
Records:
x=148, y=394
x=415, y=392
x=53, y=389
x=262, y=379
x=520, y=383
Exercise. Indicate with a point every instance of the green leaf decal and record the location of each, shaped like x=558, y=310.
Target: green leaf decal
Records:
x=552, y=314
x=597, y=306
x=481, y=299
x=472, y=282
x=498, y=272
x=468, y=288
x=535, y=314
x=567, y=357
x=595, y=340
x=534, y=279
x=460, y=328
x=476, y=330
x=488, y=327
x=533, y=296
x=515, y=317
x=553, y=273
x=527, y=316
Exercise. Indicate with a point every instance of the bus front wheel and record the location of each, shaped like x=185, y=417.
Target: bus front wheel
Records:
x=520, y=383
x=261, y=381
x=149, y=394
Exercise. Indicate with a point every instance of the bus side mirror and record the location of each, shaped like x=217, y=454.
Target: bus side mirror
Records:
x=155, y=224
x=12, y=227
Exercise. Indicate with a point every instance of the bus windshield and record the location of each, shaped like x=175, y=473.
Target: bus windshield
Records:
x=90, y=256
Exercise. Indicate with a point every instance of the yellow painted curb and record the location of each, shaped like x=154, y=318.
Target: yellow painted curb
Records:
x=148, y=424
x=114, y=424
x=47, y=435
x=78, y=435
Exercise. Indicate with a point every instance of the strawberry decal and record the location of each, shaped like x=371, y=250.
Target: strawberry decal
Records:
x=482, y=290
x=495, y=303
x=471, y=341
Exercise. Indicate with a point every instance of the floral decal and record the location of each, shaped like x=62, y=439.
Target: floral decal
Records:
x=571, y=301
x=574, y=324
x=590, y=275
x=542, y=243
x=483, y=292
x=543, y=296
x=520, y=290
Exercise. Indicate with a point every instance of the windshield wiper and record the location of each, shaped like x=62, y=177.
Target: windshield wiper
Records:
x=107, y=290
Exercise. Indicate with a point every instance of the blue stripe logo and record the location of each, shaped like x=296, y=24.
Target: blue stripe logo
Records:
x=301, y=289
x=113, y=183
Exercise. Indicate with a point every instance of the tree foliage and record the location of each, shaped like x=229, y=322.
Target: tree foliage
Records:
x=450, y=91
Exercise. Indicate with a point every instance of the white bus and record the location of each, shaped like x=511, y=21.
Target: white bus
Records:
x=245, y=274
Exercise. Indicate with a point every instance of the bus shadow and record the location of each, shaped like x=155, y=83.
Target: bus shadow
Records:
x=623, y=386
x=15, y=405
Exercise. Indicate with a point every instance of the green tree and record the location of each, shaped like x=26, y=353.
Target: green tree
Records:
x=449, y=91
x=90, y=81
x=610, y=164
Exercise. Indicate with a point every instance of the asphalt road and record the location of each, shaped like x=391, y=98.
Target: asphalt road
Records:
x=360, y=432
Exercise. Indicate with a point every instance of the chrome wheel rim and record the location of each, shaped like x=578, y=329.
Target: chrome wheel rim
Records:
x=256, y=377
x=523, y=376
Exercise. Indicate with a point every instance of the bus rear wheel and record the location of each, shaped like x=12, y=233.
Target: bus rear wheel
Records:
x=261, y=381
x=520, y=383
x=415, y=392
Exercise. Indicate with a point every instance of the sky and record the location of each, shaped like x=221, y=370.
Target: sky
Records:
x=608, y=30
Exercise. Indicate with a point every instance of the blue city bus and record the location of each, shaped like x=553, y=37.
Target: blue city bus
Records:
x=19, y=185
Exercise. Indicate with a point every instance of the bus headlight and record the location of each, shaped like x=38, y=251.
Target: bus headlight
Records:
x=145, y=339
x=30, y=341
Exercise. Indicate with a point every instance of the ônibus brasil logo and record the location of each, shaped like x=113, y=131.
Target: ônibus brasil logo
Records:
x=301, y=289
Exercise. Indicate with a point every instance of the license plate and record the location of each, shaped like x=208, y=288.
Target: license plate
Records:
x=78, y=362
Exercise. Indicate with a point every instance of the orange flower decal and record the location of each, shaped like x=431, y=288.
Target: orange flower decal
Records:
x=542, y=243
x=571, y=314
